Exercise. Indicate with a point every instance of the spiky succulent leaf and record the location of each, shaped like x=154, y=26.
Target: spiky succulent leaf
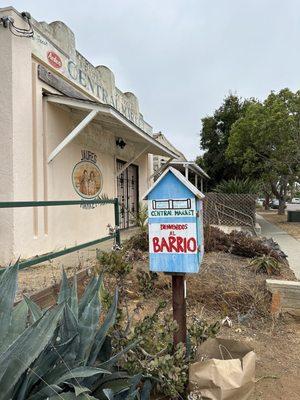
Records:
x=19, y=319
x=109, y=394
x=102, y=332
x=106, y=380
x=69, y=330
x=146, y=390
x=23, y=351
x=76, y=373
x=113, y=360
x=131, y=396
x=35, y=311
x=73, y=302
x=50, y=390
x=54, y=364
x=64, y=292
x=69, y=325
x=82, y=372
x=119, y=385
x=17, y=325
x=88, y=324
x=72, y=396
x=8, y=287
x=48, y=362
x=79, y=389
x=87, y=295
x=134, y=381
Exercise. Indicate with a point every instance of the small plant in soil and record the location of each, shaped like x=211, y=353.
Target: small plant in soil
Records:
x=114, y=263
x=146, y=281
x=139, y=241
x=265, y=265
x=141, y=217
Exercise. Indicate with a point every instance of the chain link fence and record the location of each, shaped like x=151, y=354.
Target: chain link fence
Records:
x=229, y=209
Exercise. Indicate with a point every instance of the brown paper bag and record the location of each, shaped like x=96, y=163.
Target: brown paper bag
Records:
x=226, y=373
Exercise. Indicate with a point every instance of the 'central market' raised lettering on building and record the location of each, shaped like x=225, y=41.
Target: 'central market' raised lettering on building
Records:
x=85, y=79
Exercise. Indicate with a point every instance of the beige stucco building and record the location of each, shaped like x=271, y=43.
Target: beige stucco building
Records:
x=67, y=132
x=189, y=169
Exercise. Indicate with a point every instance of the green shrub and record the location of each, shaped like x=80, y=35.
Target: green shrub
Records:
x=141, y=217
x=139, y=241
x=62, y=352
x=155, y=355
x=114, y=263
x=236, y=186
x=146, y=281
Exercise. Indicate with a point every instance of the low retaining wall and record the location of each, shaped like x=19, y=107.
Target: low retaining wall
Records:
x=285, y=296
x=47, y=297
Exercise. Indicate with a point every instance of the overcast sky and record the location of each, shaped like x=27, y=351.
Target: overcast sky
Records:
x=181, y=57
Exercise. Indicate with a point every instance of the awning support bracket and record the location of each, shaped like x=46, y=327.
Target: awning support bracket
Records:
x=135, y=157
x=159, y=170
x=72, y=134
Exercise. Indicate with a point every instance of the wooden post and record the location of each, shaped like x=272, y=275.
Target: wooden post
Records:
x=186, y=171
x=179, y=308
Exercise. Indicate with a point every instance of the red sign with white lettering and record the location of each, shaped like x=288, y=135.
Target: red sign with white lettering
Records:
x=54, y=59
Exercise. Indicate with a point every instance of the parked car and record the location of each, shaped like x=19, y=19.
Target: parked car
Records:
x=274, y=204
x=296, y=200
x=260, y=201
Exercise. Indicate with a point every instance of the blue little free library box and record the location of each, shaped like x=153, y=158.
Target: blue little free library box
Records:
x=175, y=220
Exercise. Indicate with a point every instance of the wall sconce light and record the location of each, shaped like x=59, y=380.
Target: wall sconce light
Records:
x=120, y=143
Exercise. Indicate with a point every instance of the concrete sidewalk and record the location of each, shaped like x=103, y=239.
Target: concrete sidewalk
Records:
x=288, y=244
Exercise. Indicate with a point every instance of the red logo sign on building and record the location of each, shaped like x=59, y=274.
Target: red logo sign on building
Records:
x=54, y=59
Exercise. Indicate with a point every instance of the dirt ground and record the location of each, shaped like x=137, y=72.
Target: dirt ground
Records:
x=224, y=287
x=293, y=228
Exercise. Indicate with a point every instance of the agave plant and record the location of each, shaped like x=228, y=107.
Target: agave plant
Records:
x=61, y=353
x=265, y=265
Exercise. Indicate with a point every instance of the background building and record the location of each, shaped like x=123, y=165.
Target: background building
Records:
x=189, y=169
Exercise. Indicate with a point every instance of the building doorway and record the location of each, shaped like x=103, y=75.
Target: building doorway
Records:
x=128, y=194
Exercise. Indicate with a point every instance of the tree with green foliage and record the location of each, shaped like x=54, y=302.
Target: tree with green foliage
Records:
x=214, y=140
x=265, y=142
x=238, y=186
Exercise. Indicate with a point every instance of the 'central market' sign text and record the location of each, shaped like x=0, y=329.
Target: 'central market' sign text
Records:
x=86, y=79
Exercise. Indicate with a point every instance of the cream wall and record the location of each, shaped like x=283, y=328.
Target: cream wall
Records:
x=30, y=130
x=74, y=224
x=16, y=135
x=6, y=141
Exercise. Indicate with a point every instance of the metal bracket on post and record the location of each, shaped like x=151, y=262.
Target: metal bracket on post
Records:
x=117, y=223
